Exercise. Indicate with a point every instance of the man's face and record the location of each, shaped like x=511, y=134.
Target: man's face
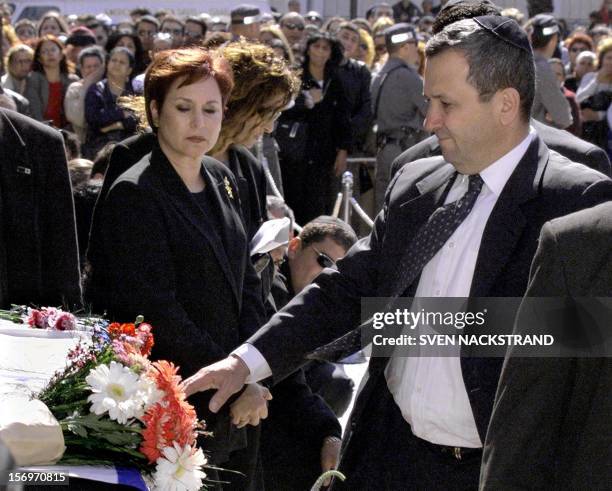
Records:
x=383, y=12
x=305, y=262
x=350, y=41
x=21, y=64
x=193, y=32
x=465, y=126
x=100, y=33
x=146, y=32
x=293, y=29
x=176, y=30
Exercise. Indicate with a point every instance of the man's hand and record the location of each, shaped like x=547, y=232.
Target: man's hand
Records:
x=251, y=406
x=330, y=453
x=227, y=376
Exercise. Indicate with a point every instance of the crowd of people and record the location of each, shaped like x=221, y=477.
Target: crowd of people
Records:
x=187, y=139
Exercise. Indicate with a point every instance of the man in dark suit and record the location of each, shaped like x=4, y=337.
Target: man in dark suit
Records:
x=568, y=145
x=420, y=422
x=550, y=426
x=39, y=259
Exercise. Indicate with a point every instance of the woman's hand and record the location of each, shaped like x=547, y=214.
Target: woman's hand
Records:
x=340, y=164
x=251, y=406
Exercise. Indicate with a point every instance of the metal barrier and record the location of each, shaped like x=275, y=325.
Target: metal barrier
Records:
x=346, y=202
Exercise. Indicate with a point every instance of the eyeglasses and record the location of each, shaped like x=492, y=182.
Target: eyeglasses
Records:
x=292, y=27
x=323, y=259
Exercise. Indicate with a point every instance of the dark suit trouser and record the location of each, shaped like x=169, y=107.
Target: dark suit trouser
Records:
x=384, y=454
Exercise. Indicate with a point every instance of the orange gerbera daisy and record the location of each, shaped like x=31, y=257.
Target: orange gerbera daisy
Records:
x=170, y=420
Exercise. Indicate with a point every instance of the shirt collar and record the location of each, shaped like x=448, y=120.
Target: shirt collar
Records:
x=497, y=174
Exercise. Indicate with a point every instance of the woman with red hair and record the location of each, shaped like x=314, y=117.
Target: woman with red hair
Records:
x=169, y=243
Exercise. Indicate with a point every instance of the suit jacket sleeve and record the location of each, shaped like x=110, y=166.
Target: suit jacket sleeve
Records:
x=60, y=255
x=141, y=272
x=519, y=451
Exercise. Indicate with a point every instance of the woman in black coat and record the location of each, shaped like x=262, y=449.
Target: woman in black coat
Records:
x=314, y=135
x=172, y=246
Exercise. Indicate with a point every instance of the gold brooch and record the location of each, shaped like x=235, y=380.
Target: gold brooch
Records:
x=228, y=187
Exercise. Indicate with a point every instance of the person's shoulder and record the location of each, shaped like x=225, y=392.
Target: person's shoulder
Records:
x=246, y=158
x=26, y=127
x=136, y=177
x=585, y=230
x=563, y=171
x=217, y=169
x=407, y=176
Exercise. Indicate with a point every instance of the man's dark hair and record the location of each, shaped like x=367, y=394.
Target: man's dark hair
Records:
x=150, y=19
x=323, y=227
x=537, y=37
x=140, y=11
x=462, y=11
x=494, y=63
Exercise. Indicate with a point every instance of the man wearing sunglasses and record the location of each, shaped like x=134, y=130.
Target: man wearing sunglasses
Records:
x=292, y=24
x=300, y=438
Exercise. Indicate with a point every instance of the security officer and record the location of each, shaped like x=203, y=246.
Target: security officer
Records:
x=398, y=104
x=550, y=105
x=245, y=22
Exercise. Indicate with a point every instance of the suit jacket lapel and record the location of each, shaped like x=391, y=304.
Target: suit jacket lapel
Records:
x=181, y=198
x=507, y=220
x=414, y=213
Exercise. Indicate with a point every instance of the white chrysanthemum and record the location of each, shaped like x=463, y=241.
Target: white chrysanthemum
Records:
x=120, y=392
x=179, y=469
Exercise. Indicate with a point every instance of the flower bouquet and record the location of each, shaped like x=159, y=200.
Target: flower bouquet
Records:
x=115, y=406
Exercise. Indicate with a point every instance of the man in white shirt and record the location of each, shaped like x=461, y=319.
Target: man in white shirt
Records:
x=420, y=422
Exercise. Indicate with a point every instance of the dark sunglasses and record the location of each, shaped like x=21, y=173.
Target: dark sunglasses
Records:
x=292, y=27
x=324, y=260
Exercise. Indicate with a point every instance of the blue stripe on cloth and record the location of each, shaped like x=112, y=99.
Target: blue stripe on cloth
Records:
x=128, y=476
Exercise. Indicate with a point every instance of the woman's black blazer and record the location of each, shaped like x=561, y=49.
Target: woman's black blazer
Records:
x=187, y=271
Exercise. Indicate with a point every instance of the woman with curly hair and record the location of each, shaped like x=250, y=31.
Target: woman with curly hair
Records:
x=167, y=241
x=47, y=84
x=264, y=86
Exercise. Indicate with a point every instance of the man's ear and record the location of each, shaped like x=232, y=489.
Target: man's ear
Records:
x=509, y=105
x=293, y=247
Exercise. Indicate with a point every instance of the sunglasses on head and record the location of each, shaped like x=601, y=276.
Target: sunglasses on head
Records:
x=323, y=259
x=292, y=27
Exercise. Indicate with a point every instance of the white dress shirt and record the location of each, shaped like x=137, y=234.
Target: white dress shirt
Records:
x=430, y=391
